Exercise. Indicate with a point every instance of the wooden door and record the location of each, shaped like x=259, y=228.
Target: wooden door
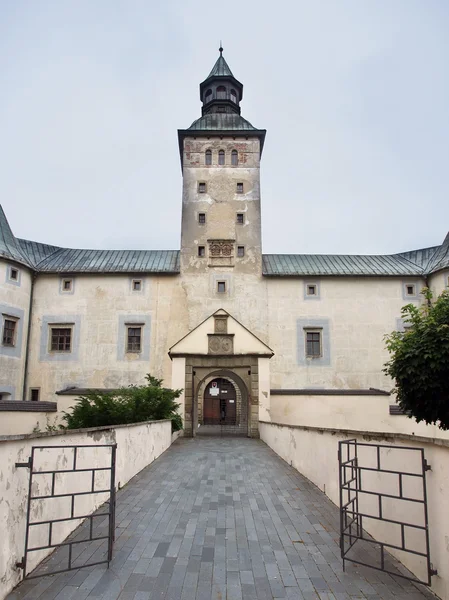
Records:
x=219, y=407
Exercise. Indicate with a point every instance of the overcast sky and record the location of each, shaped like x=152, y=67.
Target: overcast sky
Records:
x=354, y=96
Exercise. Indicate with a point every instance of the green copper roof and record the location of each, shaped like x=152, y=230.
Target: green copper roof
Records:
x=220, y=69
x=222, y=122
x=9, y=246
x=337, y=264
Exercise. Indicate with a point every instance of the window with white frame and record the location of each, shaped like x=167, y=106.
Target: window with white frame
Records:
x=14, y=274
x=67, y=285
x=137, y=285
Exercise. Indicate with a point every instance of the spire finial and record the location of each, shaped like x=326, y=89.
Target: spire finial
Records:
x=220, y=49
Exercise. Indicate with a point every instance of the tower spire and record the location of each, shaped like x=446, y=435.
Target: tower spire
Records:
x=220, y=49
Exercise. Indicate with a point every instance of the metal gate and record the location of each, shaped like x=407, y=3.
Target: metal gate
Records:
x=384, y=483
x=68, y=496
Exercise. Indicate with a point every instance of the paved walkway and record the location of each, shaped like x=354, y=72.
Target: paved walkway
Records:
x=222, y=519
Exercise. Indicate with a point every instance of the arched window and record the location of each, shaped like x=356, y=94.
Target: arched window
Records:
x=208, y=157
x=208, y=97
x=233, y=96
x=221, y=157
x=234, y=158
x=221, y=92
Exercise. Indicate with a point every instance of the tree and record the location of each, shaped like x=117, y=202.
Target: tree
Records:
x=133, y=404
x=419, y=361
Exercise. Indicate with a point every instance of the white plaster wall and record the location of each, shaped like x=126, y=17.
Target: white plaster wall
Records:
x=360, y=310
x=137, y=446
x=22, y=422
x=98, y=301
x=178, y=381
x=364, y=413
x=314, y=454
x=16, y=297
x=264, y=389
x=439, y=282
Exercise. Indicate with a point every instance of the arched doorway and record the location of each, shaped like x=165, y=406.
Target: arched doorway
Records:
x=221, y=406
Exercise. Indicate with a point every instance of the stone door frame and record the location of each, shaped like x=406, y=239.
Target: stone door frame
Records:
x=242, y=370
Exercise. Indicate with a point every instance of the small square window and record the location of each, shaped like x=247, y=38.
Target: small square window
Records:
x=67, y=285
x=9, y=331
x=313, y=344
x=410, y=290
x=60, y=339
x=240, y=218
x=134, y=338
x=201, y=250
x=14, y=274
x=240, y=188
x=240, y=251
x=34, y=394
x=221, y=287
x=137, y=285
x=311, y=289
x=201, y=187
x=201, y=218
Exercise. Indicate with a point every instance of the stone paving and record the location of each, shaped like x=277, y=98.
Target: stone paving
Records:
x=222, y=519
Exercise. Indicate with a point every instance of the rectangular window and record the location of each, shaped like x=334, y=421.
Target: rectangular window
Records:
x=201, y=250
x=201, y=218
x=67, y=285
x=410, y=290
x=311, y=289
x=137, y=285
x=240, y=218
x=34, y=394
x=201, y=187
x=134, y=341
x=313, y=344
x=61, y=339
x=240, y=251
x=9, y=332
x=14, y=274
x=240, y=188
x=221, y=287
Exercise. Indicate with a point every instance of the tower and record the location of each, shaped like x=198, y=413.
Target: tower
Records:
x=220, y=160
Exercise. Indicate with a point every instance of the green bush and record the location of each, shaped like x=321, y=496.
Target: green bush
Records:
x=419, y=361
x=133, y=404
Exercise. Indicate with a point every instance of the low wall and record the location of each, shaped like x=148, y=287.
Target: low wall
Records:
x=20, y=416
x=366, y=412
x=137, y=446
x=313, y=452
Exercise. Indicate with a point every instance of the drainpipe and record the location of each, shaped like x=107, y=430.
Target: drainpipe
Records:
x=27, y=346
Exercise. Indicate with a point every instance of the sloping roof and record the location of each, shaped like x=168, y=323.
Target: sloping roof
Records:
x=419, y=257
x=440, y=260
x=66, y=260
x=35, y=251
x=222, y=122
x=335, y=264
x=9, y=246
x=220, y=69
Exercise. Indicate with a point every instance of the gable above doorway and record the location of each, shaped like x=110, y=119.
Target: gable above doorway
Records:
x=220, y=335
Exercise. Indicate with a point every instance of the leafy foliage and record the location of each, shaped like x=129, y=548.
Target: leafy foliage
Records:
x=419, y=361
x=133, y=404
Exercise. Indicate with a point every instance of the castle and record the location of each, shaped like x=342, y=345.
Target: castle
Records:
x=243, y=333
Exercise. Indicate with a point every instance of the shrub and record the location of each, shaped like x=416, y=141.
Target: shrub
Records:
x=419, y=361
x=133, y=404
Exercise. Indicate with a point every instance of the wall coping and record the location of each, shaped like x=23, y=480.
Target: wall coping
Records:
x=367, y=435
x=330, y=392
x=44, y=434
x=27, y=406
